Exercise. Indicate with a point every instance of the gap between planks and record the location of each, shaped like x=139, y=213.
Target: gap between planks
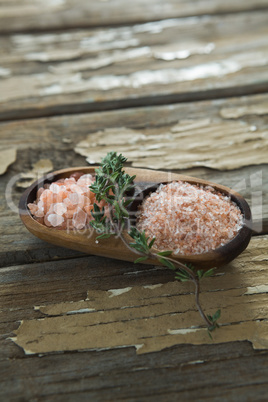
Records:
x=113, y=105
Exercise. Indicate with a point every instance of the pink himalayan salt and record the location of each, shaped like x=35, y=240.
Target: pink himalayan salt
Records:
x=55, y=220
x=79, y=218
x=66, y=203
x=33, y=208
x=189, y=219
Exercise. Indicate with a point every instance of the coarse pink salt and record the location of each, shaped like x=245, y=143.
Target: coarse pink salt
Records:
x=66, y=203
x=60, y=208
x=55, y=188
x=55, y=220
x=79, y=219
x=74, y=198
x=189, y=219
x=33, y=208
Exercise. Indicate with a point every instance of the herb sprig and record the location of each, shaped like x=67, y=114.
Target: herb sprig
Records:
x=112, y=184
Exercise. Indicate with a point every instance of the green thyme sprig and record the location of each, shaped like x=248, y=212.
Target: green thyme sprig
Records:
x=113, y=185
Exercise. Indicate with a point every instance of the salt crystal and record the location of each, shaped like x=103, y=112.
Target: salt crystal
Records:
x=68, y=202
x=46, y=221
x=74, y=198
x=70, y=213
x=69, y=181
x=55, y=219
x=79, y=219
x=54, y=188
x=51, y=208
x=76, y=189
x=39, y=192
x=87, y=176
x=39, y=213
x=47, y=198
x=33, y=208
x=60, y=208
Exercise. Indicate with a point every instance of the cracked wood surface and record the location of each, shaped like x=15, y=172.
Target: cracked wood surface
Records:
x=35, y=293
x=164, y=61
x=153, y=317
x=75, y=57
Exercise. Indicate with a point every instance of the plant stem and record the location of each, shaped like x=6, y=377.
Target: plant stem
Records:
x=180, y=265
x=196, y=282
x=198, y=305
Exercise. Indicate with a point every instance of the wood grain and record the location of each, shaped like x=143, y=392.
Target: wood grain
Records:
x=48, y=74
x=16, y=16
x=187, y=372
x=103, y=371
x=62, y=45
x=153, y=317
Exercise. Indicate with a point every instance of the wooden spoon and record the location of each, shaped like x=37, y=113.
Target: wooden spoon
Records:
x=146, y=180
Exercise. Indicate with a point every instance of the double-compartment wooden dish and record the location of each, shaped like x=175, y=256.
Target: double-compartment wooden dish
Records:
x=146, y=181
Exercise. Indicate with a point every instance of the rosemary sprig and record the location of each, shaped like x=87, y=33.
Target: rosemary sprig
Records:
x=112, y=185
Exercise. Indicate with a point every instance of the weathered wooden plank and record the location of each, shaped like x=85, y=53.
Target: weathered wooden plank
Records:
x=187, y=371
x=58, y=14
x=168, y=376
x=177, y=59
x=58, y=285
x=148, y=317
x=69, y=281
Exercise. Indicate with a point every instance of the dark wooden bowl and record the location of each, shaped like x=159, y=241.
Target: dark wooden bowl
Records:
x=146, y=182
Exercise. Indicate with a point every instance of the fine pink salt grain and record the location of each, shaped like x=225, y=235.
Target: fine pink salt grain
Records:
x=66, y=203
x=189, y=219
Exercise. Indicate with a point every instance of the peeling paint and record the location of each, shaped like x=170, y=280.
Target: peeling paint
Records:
x=169, y=55
x=158, y=285
x=195, y=362
x=182, y=331
x=190, y=143
x=157, y=27
x=4, y=72
x=256, y=289
x=109, y=39
x=102, y=60
x=45, y=84
x=153, y=317
x=160, y=77
x=7, y=157
x=236, y=112
x=29, y=40
x=118, y=292
x=39, y=169
x=53, y=89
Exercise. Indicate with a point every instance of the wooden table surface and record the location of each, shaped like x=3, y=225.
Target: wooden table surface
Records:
x=179, y=86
